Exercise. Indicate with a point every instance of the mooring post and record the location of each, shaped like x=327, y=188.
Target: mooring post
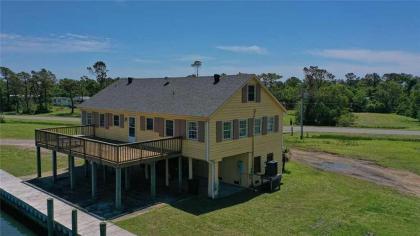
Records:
x=54, y=165
x=74, y=222
x=102, y=229
x=50, y=216
x=38, y=161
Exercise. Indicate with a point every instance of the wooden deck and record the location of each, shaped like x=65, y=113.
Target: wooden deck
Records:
x=80, y=141
x=34, y=202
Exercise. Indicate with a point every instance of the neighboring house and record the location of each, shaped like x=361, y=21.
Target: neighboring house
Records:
x=65, y=101
x=228, y=126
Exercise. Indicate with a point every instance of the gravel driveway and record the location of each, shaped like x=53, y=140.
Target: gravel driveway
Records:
x=401, y=180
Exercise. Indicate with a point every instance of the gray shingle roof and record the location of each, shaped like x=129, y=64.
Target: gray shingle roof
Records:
x=182, y=96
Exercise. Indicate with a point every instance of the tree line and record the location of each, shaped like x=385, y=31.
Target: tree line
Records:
x=31, y=93
x=328, y=100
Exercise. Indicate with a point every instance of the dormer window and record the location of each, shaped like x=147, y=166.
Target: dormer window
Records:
x=251, y=93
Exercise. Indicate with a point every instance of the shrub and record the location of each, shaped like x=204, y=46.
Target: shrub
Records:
x=346, y=119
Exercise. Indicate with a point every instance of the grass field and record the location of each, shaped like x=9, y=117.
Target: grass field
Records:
x=310, y=202
x=25, y=129
x=388, y=121
x=21, y=162
x=398, y=152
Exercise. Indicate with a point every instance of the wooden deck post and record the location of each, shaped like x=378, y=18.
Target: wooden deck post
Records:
x=38, y=161
x=118, y=187
x=167, y=172
x=153, y=179
x=71, y=172
x=146, y=171
x=86, y=168
x=74, y=222
x=126, y=179
x=180, y=173
x=50, y=216
x=213, y=179
x=93, y=179
x=54, y=165
x=190, y=170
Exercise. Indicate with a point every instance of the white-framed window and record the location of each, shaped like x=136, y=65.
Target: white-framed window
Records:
x=243, y=128
x=89, y=118
x=270, y=124
x=116, y=121
x=257, y=126
x=102, y=120
x=227, y=130
x=169, y=128
x=149, y=123
x=192, y=130
x=251, y=93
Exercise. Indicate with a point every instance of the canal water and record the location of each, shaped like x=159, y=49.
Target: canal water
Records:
x=13, y=223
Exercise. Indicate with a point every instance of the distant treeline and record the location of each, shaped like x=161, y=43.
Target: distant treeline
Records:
x=327, y=99
x=30, y=93
x=330, y=101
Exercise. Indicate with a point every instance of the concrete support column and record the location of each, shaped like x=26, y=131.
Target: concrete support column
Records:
x=146, y=171
x=93, y=176
x=213, y=179
x=179, y=174
x=38, y=161
x=54, y=165
x=118, y=188
x=71, y=172
x=126, y=178
x=167, y=172
x=153, y=179
x=190, y=168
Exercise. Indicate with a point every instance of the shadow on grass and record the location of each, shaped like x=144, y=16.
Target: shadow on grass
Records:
x=199, y=205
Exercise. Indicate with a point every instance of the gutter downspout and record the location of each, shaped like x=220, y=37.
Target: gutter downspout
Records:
x=210, y=186
x=253, y=151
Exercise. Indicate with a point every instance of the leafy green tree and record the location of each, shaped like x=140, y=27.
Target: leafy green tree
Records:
x=100, y=71
x=25, y=78
x=6, y=75
x=70, y=89
x=41, y=84
x=269, y=79
x=88, y=86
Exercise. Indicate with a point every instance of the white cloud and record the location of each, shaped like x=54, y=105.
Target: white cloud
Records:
x=145, y=60
x=254, y=49
x=193, y=57
x=62, y=43
x=370, y=56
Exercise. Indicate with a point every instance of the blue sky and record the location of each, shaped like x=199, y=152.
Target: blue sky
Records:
x=155, y=39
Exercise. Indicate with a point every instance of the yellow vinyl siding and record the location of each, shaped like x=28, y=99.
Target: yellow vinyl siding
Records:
x=230, y=151
x=190, y=148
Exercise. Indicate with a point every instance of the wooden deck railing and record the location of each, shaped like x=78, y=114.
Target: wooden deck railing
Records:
x=80, y=141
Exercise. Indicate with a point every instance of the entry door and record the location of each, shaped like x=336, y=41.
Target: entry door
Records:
x=131, y=129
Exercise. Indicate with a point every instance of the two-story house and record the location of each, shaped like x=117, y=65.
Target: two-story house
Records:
x=224, y=128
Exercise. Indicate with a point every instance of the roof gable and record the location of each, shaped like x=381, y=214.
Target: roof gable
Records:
x=178, y=96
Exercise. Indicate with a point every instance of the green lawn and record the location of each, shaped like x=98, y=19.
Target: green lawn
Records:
x=62, y=111
x=388, y=121
x=25, y=129
x=389, y=151
x=21, y=162
x=289, y=116
x=311, y=202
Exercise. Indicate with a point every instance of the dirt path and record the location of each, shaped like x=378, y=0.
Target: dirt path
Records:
x=401, y=180
x=26, y=143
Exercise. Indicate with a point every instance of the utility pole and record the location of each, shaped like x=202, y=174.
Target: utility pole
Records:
x=301, y=113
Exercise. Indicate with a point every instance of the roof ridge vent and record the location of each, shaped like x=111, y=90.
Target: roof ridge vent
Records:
x=130, y=80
